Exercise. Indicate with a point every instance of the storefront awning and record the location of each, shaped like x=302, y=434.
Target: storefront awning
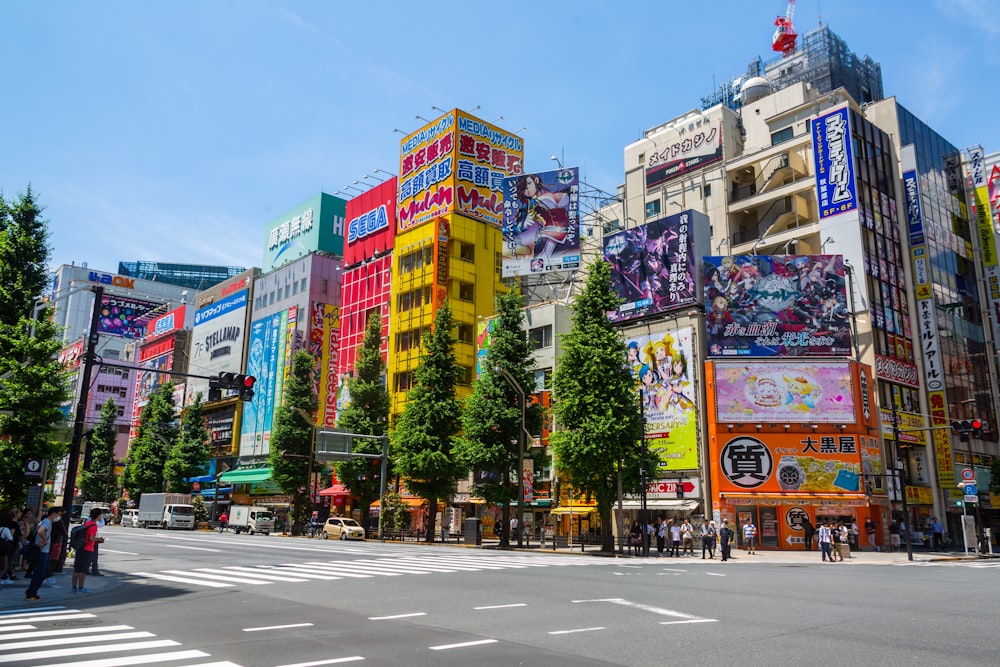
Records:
x=795, y=499
x=409, y=502
x=335, y=490
x=581, y=509
x=210, y=493
x=679, y=505
x=247, y=476
x=204, y=479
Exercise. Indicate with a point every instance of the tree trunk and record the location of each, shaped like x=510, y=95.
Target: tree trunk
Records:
x=431, y=518
x=607, y=534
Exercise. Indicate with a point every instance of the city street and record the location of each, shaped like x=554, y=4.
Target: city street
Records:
x=184, y=599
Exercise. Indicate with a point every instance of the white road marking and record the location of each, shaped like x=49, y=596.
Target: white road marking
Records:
x=214, y=575
x=445, y=647
x=48, y=617
x=278, y=627
x=690, y=620
x=654, y=610
x=67, y=631
x=115, y=551
x=305, y=573
x=63, y=640
x=599, y=600
x=503, y=606
x=569, y=632
x=670, y=569
x=11, y=628
x=224, y=663
x=353, y=658
x=86, y=650
x=634, y=567
x=715, y=574
x=254, y=572
x=28, y=611
x=138, y=659
x=182, y=580
x=181, y=546
x=389, y=618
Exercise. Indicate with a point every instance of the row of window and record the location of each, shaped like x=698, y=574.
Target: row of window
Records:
x=290, y=290
x=418, y=259
x=112, y=389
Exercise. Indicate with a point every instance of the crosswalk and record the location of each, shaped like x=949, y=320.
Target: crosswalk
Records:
x=40, y=636
x=410, y=563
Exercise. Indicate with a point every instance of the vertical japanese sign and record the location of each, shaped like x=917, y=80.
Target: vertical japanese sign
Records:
x=324, y=336
x=441, y=262
x=835, y=184
x=541, y=222
x=262, y=363
x=987, y=235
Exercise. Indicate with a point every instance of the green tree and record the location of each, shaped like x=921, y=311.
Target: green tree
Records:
x=189, y=457
x=492, y=417
x=24, y=256
x=147, y=456
x=995, y=477
x=98, y=482
x=292, y=433
x=424, y=436
x=595, y=406
x=368, y=414
x=200, y=511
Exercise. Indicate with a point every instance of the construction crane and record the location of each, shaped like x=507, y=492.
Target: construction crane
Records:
x=785, y=35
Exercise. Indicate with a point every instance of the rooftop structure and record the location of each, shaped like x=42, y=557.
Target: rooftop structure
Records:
x=194, y=276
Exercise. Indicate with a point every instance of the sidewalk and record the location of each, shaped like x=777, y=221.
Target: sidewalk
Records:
x=12, y=595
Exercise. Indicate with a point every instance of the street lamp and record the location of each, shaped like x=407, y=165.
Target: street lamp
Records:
x=522, y=400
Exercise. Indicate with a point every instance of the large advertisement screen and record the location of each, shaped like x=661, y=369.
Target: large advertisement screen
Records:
x=653, y=266
x=769, y=391
x=662, y=366
x=776, y=306
x=684, y=150
x=834, y=160
x=541, y=222
x=217, y=341
x=124, y=316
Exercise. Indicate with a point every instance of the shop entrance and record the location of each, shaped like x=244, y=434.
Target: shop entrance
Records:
x=766, y=520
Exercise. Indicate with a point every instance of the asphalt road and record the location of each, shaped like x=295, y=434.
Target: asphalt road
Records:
x=184, y=599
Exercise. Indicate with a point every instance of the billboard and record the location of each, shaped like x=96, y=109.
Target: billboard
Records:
x=455, y=163
x=836, y=187
x=654, y=267
x=266, y=349
x=770, y=391
x=324, y=339
x=217, y=341
x=69, y=356
x=124, y=316
x=686, y=149
x=172, y=321
x=662, y=365
x=317, y=224
x=776, y=306
x=541, y=222
x=371, y=223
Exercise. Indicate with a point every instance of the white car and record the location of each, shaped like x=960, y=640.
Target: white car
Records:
x=344, y=529
x=130, y=519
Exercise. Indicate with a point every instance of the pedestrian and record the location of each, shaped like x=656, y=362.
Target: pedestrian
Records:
x=855, y=534
x=687, y=534
x=94, y=570
x=675, y=539
x=513, y=528
x=13, y=523
x=937, y=533
x=223, y=521
x=708, y=534
x=749, y=535
x=894, y=535
x=84, y=555
x=27, y=526
x=498, y=528
x=870, y=533
x=809, y=530
x=58, y=536
x=42, y=539
x=661, y=536
x=825, y=537
x=725, y=540
x=845, y=538
x=8, y=544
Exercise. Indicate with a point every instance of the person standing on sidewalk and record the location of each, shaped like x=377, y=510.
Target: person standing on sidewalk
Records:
x=41, y=565
x=726, y=536
x=675, y=539
x=894, y=535
x=749, y=535
x=808, y=531
x=870, y=532
x=94, y=570
x=825, y=537
x=937, y=530
x=84, y=556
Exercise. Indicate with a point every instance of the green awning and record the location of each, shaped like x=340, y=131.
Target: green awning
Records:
x=246, y=476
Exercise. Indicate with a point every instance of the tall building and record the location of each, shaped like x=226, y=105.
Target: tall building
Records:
x=194, y=276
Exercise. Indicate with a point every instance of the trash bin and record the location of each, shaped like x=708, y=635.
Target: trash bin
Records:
x=472, y=532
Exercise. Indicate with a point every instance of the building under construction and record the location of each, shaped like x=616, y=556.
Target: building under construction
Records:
x=823, y=61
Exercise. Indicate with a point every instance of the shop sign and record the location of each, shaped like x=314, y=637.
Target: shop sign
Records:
x=896, y=370
x=667, y=488
x=919, y=495
x=108, y=279
x=290, y=229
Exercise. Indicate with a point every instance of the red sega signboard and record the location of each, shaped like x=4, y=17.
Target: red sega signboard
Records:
x=371, y=222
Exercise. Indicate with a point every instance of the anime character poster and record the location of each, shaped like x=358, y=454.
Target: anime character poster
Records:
x=768, y=391
x=124, y=316
x=776, y=306
x=662, y=366
x=541, y=222
x=653, y=266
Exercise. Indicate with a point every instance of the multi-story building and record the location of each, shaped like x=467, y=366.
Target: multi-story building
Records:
x=193, y=276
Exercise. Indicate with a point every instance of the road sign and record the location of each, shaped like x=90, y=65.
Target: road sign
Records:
x=971, y=499
x=968, y=474
x=970, y=490
x=34, y=468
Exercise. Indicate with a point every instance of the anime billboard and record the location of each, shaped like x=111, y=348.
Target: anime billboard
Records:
x=653, y=266
x=768, y=391
x=661, y=366
x=124, y=316
x=776, y=306
x=541, y=222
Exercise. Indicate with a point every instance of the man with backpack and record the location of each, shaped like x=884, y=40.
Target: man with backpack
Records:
x=83, y=540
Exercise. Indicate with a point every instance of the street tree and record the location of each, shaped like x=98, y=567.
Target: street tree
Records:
x=24, y=256
x=292, y=436
x=600, y=430
x=189, y=457
x=98, y=481
x=157, y=433
x=424, y=436
x=491, y=420
x=367, y=413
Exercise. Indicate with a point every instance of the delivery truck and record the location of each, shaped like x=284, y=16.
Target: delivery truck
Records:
x=251, y=519
x=166, y=510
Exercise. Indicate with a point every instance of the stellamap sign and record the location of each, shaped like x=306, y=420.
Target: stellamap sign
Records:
x=369, y=223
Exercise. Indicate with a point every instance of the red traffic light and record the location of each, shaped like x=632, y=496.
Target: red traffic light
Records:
x=977, y=424
x=249, y=381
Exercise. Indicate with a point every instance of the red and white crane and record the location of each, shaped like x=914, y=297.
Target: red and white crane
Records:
x=785, y=35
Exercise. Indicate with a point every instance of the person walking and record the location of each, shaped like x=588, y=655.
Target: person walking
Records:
x=708, y=534
x=825, y=537
x=84, y=555
x=855, y=534
x=661, y=536
x=40, y=567
x=726, y=536
x=870, y=533
x=809, y=531
x=894, y=541
x=749, y=536
x=223, y=521
x=937, y=532
x=57, y=537
x=845, y=539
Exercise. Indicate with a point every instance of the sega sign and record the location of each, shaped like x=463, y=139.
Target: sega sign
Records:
x=368, y=223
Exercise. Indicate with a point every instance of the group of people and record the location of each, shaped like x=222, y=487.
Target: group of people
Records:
x=35, y=549
x=678, y=537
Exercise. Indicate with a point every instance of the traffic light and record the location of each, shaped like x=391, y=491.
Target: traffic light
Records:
x=977, y=428
x=241, y=384
x=962, y=427
x=246, y=387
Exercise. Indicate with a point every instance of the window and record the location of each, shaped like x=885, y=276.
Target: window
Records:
x=540, y=337
x=403, y=381
x=465, y=375
x=652, y=208
x=642, y=159
x=466, y=291
x=781, y=136
x=288, y=291
x=543, y=380
x=302, y=284
x=295, y=288
x=271, y=299
x=465, y=333
x=467, y=251
x=706, y=191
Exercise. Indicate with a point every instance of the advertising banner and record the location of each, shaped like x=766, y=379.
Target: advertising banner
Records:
x=124, y=316
x=371, y=223
x=486, y=155
x=897, y=370
x=791, y=463
x=661, y=365
x=427, y=173
x=217, y=341
x=766, y=391
x=317, y=224
x=324, y=336
x=654, y=267
x=69, y=356
x=484, y=335
x=541, y=222
x=777, y=306
x=984, y=225
x=262, y=363
x=172, y=321
x=836, y=187
x=686, y=149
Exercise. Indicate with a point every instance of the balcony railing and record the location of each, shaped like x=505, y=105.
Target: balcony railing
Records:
x=771, y=167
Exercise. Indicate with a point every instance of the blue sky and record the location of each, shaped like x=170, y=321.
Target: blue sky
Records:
x=174, y=131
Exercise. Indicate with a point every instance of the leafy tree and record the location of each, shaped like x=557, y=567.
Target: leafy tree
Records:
x=394, y=515
x=200, y=511
x=425, y=433
x=368, y=414
x=24, y=256
x=492, y=417
x=147, y=456
x=995, y=477
x=293, y=433
x=189, y=457
x=98, y=482
x=595, y=406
